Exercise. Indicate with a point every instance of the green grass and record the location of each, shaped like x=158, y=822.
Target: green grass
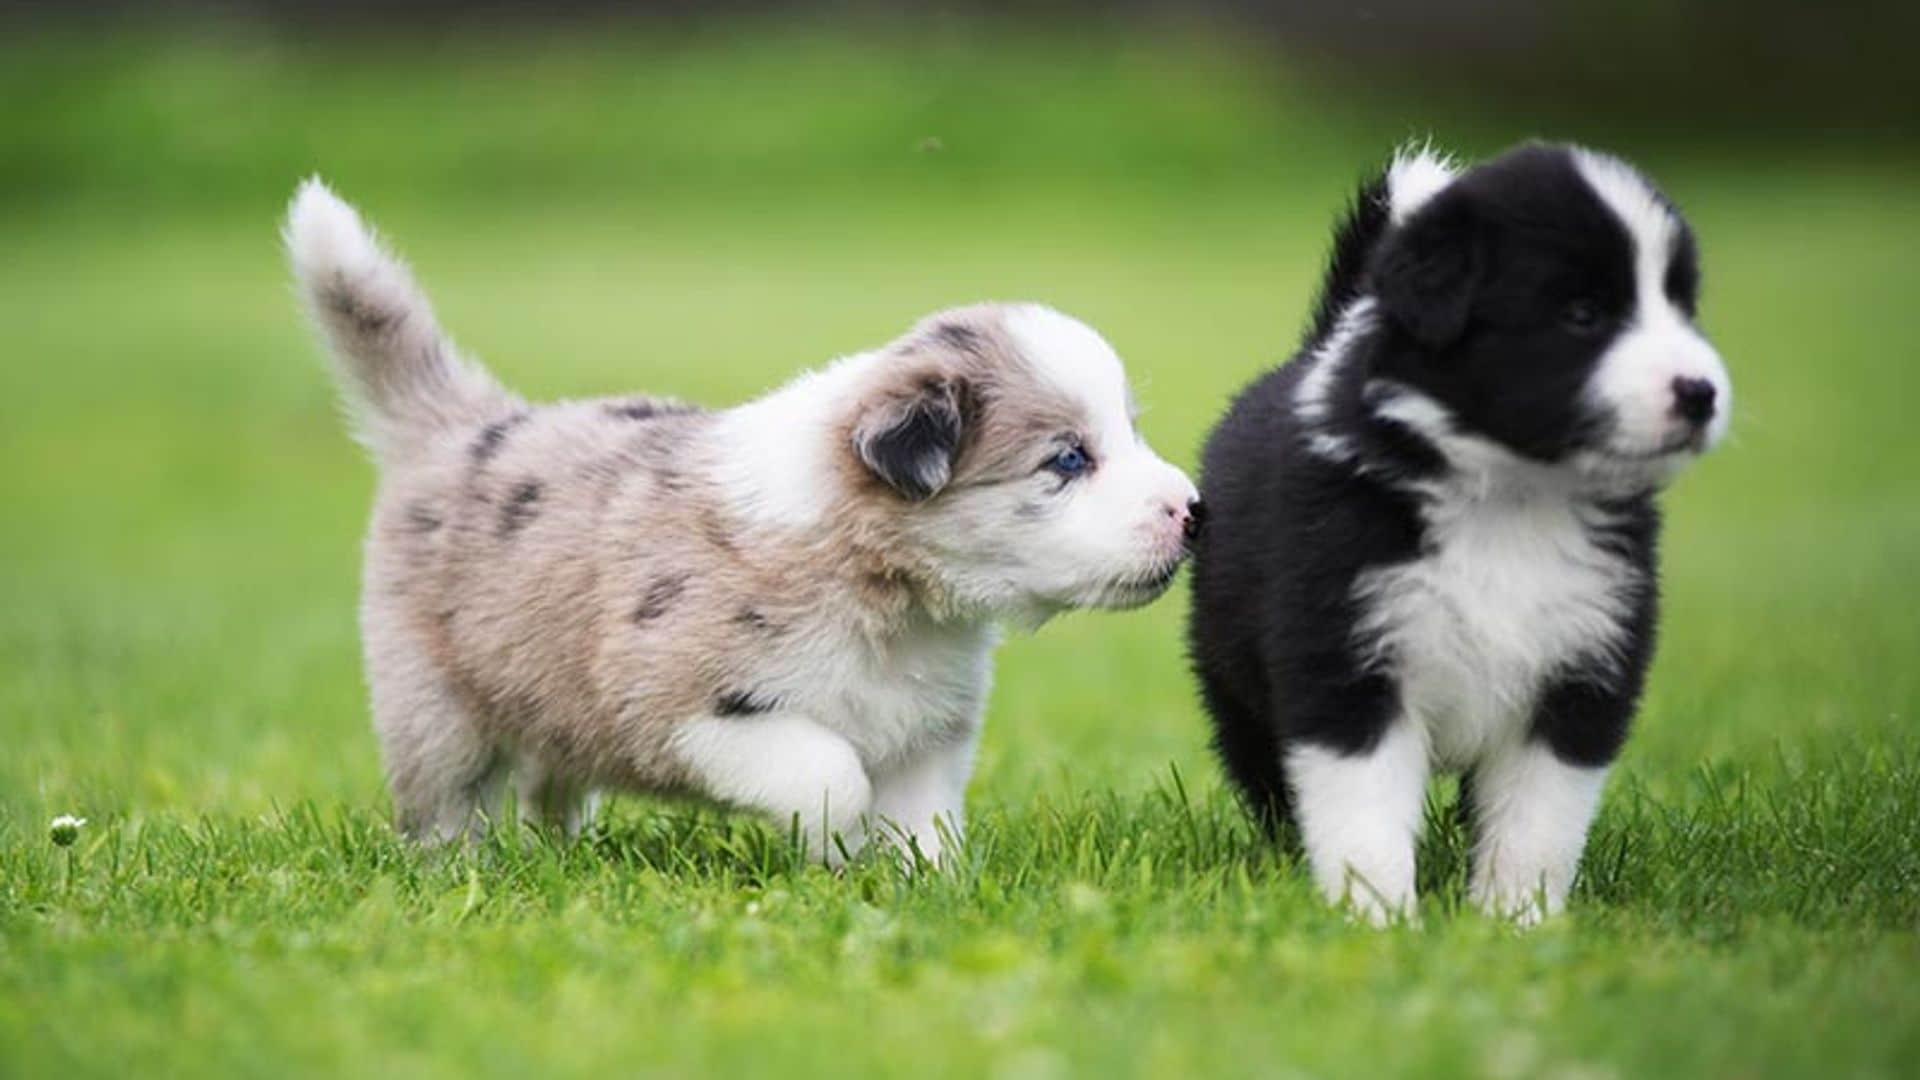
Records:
x=178, y=553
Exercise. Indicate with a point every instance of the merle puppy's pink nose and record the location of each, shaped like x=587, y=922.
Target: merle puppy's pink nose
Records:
x=1188, y=517
x=1693, y=399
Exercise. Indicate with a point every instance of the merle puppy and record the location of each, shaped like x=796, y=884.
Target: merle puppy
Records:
x=1432, y=533
x=788, y=606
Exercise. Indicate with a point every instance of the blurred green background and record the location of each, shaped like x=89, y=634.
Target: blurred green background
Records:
x=596, y=203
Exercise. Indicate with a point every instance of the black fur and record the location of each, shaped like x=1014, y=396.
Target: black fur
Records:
x=741, y=703
x=1270, y=636
x=491, y=437
x=351, y=304
x=423, y=517
x=670, y=480
x=753, y=619
x=958, y=337
x=1503, y=252
x=912, y=447
x=1585, y=720
x=521, y=507
x=659, y=597
x=718, y=533
x=1353, y=242
x=1472, y=291
x=645, y=409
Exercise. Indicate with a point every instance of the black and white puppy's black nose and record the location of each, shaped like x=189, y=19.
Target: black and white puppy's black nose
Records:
x=1693, y=399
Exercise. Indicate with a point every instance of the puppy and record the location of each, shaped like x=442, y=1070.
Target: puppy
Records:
x=1431, y=536
x=788, y=606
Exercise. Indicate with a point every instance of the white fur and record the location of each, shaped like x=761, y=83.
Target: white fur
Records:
x=1360, y=818
x=777, y=467
x=786, y=766
x=1121, y=520
x=1478, y=464
x=1511, y=588
x=1533, y=811
x=325, y=235
x=883, y=699
x=1077, y=360
x=1417, y=174
x=1312, y=395
x=879, y=696
x=905, y=711
x=921, y=801
x=393, y=407
x=1634, y=379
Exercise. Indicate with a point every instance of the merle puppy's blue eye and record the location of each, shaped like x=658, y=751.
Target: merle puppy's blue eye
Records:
x=1070, y=462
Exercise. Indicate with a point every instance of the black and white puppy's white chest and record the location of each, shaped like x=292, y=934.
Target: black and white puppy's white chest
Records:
x=1513, y=592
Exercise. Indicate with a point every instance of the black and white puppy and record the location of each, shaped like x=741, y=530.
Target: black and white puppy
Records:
x=1432, y=533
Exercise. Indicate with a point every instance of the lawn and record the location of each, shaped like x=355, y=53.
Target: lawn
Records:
x=593, y=213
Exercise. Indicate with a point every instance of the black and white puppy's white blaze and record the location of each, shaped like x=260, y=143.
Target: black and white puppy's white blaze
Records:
x=1431, y=534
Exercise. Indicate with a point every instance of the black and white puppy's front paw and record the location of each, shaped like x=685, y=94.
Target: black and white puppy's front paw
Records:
x=1360, y=817
x=1532, y=810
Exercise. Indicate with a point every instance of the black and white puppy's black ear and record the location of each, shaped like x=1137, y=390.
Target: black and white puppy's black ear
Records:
x=1428, y=270
x=910, y=439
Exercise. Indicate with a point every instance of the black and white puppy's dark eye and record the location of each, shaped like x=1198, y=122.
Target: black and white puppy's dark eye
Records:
x=1582, y=316
x=1070, y=462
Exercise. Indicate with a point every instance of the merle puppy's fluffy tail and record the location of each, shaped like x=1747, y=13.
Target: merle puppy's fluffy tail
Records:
x=402, y=377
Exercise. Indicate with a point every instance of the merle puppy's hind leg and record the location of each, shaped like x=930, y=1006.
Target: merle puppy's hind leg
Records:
x=547, y=797
x=445, y=775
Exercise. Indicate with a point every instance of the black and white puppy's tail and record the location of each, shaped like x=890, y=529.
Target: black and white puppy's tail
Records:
x=1416, y=173
x=404, y=381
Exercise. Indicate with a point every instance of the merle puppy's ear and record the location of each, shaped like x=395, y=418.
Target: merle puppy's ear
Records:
x=1427, y=271
x=909, y=439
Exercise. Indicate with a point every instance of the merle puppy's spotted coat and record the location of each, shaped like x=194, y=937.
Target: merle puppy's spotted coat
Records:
x=1431, y=535
x=789, y=605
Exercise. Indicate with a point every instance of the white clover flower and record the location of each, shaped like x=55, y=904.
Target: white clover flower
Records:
x=65, y=829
